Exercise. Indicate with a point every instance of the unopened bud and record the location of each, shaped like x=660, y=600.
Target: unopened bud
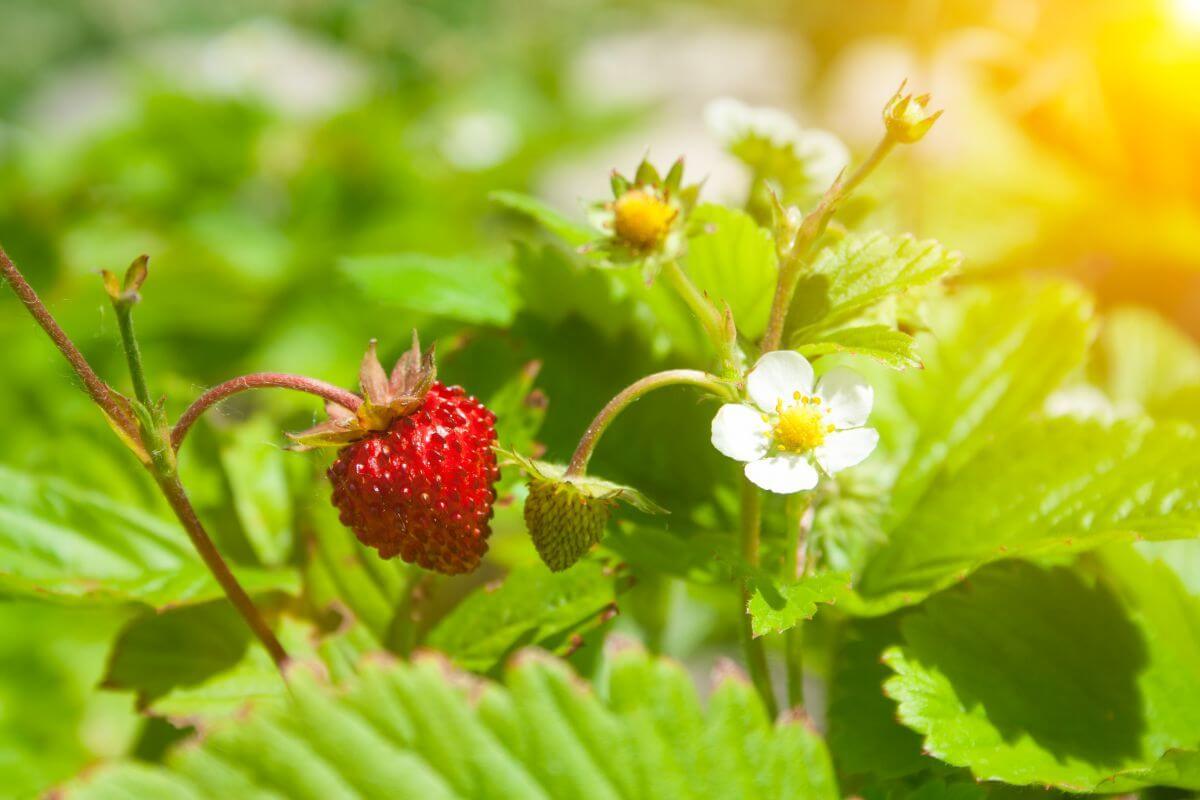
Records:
x=907, y=117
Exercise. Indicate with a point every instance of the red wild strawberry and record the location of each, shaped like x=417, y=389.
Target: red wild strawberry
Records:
x=415, y=473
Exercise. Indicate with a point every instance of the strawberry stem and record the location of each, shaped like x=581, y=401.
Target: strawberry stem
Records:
x=799, y=513
x=672, y=377
x=160, y=465
x=260, y=380
x=756, y=655
x=97, y=389
x=803, y=245
x=710, y=318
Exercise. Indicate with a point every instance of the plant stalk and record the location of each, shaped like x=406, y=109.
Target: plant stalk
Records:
x=756, y=655
x=173, y=490
x=799, y=512
x=806, y=238
x=160, y=464
x=709, y=316
x=259, y=380
x=658, y=380
x=162, y=467
x=97, y=389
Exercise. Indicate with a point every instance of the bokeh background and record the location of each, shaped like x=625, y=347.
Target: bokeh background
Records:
x=265, y=153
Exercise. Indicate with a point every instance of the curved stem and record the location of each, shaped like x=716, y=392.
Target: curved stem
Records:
x=635, y=390
x=756, y=656
x=97, y=389
x=260, y=380
x=159, y=466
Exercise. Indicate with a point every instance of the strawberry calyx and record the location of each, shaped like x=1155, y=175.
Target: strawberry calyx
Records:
x=386, y=398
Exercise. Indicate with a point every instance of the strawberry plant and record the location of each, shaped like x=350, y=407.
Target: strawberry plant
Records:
x=942, y=515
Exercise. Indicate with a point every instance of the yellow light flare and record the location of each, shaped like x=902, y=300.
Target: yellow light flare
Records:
x=1187, y=14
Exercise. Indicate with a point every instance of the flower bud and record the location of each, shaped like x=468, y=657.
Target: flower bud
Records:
x=907, y=118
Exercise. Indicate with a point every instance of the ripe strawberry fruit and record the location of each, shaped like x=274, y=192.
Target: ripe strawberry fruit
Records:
x=415, y=473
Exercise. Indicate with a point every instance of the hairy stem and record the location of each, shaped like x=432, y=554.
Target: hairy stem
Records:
x=162, y=467
x=705, y=311
x=167, y=480
x=97, y=389
x=259, y=380
x=133, y=352
x=799, y=513
x=173, y=490
x=756, y=655
x=810, y=232
x=671, y=377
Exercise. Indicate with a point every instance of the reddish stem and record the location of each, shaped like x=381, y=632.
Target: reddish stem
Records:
x=99, y=391
x=260, y=380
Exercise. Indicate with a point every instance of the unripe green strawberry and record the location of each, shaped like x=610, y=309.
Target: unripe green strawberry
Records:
x=565, y=514
x=563, y=522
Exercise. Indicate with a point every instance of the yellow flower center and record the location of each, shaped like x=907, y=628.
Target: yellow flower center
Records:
x=801, y=427
x=641, y=219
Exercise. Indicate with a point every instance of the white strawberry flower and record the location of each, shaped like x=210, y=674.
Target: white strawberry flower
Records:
x=790, y=428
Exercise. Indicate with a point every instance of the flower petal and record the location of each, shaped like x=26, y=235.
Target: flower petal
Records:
x=785, y=474
x=740, y=432
x=777, y=376
x=849, y=396
x=845, y=448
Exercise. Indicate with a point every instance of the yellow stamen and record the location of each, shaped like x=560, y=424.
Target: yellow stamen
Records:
x=642, y=219
x=801, y=428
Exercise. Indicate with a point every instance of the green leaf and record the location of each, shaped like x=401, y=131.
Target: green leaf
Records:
x=181, y=647
x=532, y=606
x=733, y=260
x=51, y=658
x=1052, y=487
x=886, y=345
x=254, y=465
x=774, y=606
x=863, y=733
x=475, y=290
x=417, y=730
x=340, y=573
x=1141, y=358
x=858, y=272
x=553, y=285
x=1054, y=676
x=60, y=542
x=991, y=369
x=199, y=664
x=520, y=410
x=699, y=558
x=571, y=232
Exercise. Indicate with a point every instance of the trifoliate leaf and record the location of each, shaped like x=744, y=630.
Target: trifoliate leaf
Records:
x=863, y=733
x=886, y=345
x=418, y=730
x=854, y=274
x=60, y=542
x=531, y=607
x=1054, y=676
x=1056, y=486
x=988, y=370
